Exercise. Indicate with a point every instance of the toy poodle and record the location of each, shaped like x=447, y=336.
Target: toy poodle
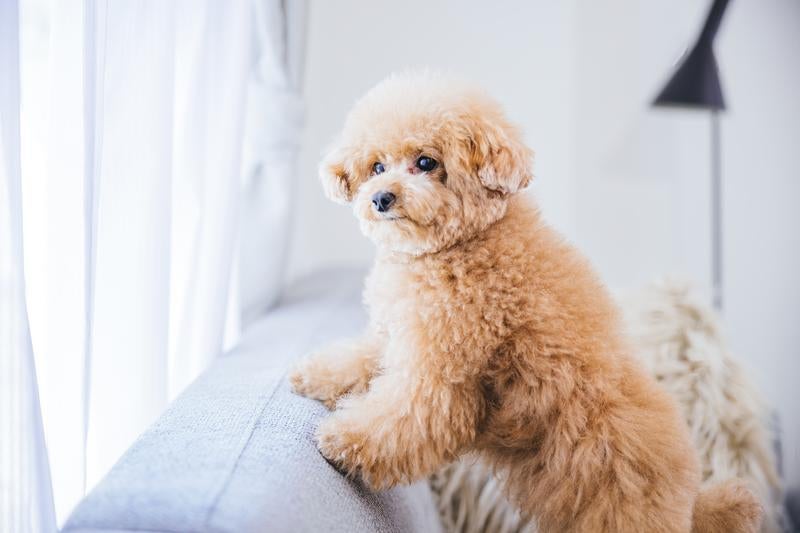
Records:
x=490, y=334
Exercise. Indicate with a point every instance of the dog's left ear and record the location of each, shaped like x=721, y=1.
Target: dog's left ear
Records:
x=500, y=157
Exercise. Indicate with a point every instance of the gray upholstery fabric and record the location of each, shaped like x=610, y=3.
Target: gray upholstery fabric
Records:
x=235, y=451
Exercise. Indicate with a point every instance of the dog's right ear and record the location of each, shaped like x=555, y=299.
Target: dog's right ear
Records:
x=335, y=176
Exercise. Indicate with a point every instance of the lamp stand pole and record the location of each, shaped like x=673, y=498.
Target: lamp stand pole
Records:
x=716, y=211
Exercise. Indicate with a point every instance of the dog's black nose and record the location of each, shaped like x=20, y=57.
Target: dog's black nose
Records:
x=383, y=200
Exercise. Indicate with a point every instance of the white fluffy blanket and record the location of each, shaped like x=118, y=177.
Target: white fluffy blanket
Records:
x=678, y=338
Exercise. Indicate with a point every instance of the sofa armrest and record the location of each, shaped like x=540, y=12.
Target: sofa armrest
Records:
x=235, y=451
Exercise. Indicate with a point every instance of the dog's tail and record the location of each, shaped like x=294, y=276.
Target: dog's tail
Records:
x=728, y=507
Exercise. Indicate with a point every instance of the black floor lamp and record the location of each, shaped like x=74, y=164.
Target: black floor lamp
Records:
x=695, y=84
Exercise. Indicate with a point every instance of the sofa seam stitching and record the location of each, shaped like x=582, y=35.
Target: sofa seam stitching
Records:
x=215, y=502
x=229, y=475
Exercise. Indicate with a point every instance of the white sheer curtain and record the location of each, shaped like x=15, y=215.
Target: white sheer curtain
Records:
x=134, y=209
x=26, y=501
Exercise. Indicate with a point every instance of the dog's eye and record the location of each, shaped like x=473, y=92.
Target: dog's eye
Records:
x=426, y=164
x=378, y=168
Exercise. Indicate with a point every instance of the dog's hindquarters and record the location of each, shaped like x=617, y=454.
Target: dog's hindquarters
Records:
x=726, y=508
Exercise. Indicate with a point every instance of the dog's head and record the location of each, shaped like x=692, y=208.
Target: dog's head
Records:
x=426, y=163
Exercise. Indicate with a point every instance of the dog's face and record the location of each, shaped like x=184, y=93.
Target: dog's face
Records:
x=426, y=163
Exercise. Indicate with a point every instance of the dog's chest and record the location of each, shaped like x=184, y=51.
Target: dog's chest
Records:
x=392, y=294
x=417, y=296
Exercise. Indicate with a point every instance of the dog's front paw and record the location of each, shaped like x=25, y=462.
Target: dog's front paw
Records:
x=349, y=450
x=312, y=380
x=338, y=446
x=301, y=378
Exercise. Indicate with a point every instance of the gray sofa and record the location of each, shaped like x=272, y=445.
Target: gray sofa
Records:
x=235, y=452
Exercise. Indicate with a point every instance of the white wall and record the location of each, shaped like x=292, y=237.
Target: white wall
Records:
x=628, y=184
x=762, y=171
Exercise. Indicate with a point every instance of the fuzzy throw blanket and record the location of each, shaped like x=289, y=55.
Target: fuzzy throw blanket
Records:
x=679, y=340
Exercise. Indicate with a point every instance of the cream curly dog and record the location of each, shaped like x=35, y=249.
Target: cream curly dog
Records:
x=488, y=333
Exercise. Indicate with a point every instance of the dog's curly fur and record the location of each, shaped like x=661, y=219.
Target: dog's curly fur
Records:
x=489, y=333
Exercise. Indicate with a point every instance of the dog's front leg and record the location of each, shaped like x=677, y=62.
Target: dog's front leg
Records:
x=409, y=423
x=341, y=368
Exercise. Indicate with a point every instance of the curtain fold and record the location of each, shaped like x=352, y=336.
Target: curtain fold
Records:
x=273, y=134
x=128, y=88
x=26, y=500
x=211, y=68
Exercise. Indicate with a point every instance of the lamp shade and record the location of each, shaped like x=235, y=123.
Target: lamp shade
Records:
x=695, y=82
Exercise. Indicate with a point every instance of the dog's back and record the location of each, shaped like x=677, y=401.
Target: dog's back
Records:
x=585, y=438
